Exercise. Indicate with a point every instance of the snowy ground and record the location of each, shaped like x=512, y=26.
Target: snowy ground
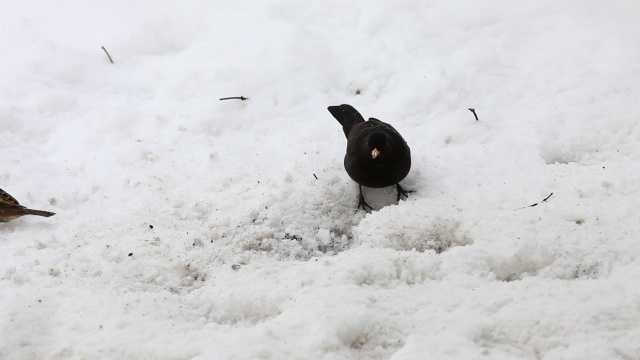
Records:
x=189, y=227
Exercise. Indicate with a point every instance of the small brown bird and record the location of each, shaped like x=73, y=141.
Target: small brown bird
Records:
x=11, y=209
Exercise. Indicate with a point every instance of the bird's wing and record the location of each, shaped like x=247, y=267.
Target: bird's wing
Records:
x=7, y=200
x=375, y=123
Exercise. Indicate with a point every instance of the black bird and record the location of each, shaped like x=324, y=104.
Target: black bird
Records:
x=377, y=155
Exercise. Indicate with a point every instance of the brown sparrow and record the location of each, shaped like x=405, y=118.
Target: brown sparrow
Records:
x=11, y=209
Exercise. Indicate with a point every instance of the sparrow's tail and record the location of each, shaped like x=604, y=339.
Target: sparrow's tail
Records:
x=347, y=116
x=38, y=212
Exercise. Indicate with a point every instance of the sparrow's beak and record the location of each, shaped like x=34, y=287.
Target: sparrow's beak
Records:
x=375, y=153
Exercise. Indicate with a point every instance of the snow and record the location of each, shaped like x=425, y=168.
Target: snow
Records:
x=193, y=228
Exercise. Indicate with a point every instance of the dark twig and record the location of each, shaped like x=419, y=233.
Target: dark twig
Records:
x=235, y=97
x=109, y=56
x=474, y=113
x=536, y=204
x=314, y=175
x=543, y=200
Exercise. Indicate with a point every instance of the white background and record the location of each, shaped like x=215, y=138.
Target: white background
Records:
x=250, y=256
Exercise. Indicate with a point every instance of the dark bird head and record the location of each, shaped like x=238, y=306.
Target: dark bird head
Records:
x=377, y=143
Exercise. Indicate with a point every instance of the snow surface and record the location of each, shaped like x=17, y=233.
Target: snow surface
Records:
x=189, y=227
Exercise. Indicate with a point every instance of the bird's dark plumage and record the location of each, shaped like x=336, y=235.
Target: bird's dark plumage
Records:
x=377, y=155
x=11, y=209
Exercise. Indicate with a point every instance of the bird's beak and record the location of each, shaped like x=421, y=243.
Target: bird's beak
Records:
x=375, y=153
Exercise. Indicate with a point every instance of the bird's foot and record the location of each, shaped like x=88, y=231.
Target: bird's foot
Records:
x=402, y=192
x=363, y=204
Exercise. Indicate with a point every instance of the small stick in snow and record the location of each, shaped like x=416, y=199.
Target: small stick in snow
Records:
x=474, y=113
x=314, y=175
x=109, y=56
x=536, y=204
x=543, y=200
x=235, y=97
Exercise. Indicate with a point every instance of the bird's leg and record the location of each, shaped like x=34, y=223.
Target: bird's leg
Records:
x=362, y=204
x=402, y=192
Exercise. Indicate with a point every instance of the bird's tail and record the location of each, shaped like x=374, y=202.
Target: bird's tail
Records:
x=38, y=212
x=347, y=116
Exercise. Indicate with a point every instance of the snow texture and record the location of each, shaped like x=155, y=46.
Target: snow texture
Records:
x=193, y=228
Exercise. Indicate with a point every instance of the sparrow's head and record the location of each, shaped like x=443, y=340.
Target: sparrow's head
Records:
x=377, y=143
